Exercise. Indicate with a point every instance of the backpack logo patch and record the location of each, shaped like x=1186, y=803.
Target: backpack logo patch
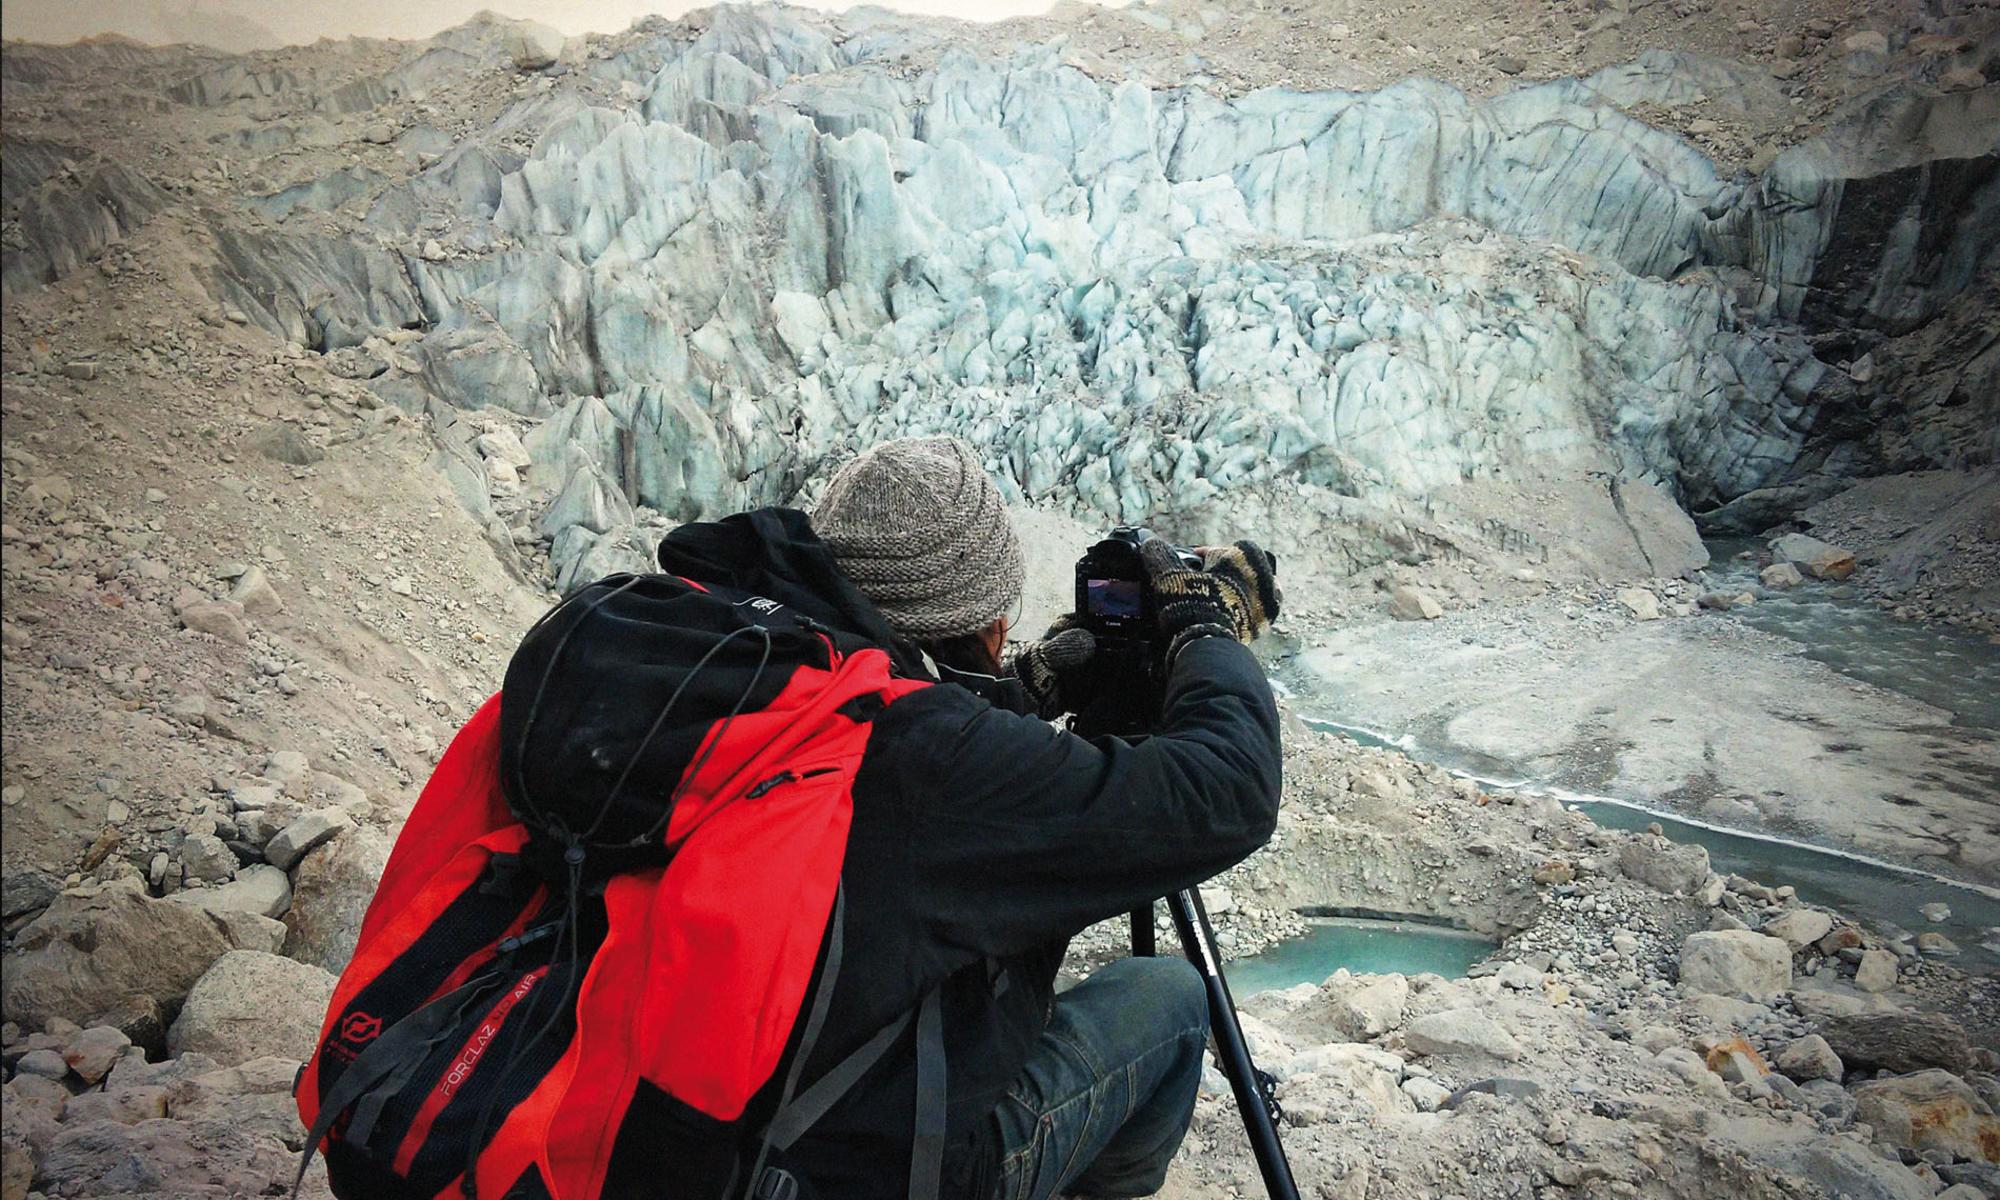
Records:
x=360, y=1027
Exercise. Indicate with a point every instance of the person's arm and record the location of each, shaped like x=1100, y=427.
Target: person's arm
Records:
x=1024, y=833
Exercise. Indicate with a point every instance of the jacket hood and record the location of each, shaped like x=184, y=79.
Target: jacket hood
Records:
x=774, y=552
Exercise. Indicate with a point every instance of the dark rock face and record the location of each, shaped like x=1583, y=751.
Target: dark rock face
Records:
x=1900, y=1042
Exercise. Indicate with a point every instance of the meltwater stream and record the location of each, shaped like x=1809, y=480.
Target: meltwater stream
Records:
x=1932, y=663
x=1885, y=896
x=1927, y=661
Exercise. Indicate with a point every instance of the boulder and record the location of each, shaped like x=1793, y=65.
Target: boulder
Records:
x=1373, y=1009
x=1808, y=1058
x=1780, y=575
x=253, y=1005
x=258, y=888
x=218, y=618
x=254, y=592
x=91, y=1053
x=205, y=859
x=1930, y=1110
x=255, y=1096
x=303, y=834
x=1664, y=866
x=1736, y=962
x=532, y=46
x=1460, y=1031
x=1898, y=1042
x=26, y=1129
x=283, y=441
x=127, y=1106
x=1735, y=1059
x=1411, y=604
x=1876, y=972
x=1814, y=557
x=165, y=1158
x=1799, y=928
x=25, y=890
x=1932, y=944
x=1641, y=602
x=88, y=953
x=331, y=894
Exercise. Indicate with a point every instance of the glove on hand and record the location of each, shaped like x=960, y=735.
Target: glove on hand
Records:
x=1235, y=594
x=1251, y=579
x=1044, y=666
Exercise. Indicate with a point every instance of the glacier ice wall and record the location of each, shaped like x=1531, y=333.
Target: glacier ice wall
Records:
x=714, y=265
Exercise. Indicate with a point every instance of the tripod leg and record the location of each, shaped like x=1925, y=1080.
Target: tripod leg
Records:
x=1252, y=1100
x=1143, y=945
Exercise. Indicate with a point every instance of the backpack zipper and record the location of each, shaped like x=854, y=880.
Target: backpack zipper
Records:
x=778, y=780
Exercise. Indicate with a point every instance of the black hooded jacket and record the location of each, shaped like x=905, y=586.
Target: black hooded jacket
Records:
x=982, y=841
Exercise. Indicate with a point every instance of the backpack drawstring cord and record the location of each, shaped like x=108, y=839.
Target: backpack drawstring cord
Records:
x=568, y=937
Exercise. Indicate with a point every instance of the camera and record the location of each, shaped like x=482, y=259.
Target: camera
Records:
x=1126, y=680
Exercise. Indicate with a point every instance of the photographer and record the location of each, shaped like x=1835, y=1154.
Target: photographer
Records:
x=984, y=838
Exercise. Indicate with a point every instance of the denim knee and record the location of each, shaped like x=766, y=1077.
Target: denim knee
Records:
x=1165, y=990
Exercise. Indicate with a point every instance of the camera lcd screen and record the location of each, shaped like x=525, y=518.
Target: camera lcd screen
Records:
x=1112, y=597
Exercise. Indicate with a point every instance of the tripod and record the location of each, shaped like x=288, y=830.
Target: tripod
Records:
x=1254, y=1090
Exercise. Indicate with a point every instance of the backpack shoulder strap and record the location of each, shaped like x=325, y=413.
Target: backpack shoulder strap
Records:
x=927, y=1148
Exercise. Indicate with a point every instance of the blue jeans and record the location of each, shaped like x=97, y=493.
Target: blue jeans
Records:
x=1106, y=1097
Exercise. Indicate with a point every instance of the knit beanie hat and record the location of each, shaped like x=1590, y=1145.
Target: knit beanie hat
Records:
x=920, y=529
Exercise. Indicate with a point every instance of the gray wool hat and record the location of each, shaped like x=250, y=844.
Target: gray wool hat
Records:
x=918, y=526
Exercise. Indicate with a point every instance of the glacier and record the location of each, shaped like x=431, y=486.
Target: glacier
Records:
x=711, y=266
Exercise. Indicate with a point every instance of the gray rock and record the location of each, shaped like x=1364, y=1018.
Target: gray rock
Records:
x=283, y=441
x=1413, y=604
x=92, y=1052
x=48, y=1064
x=1372, y=1009
x=1736, y=963
x=1798, y=928
x=531, y=45
x=1808, y=1058
x=253, y=1005
x=1641, y=603
x=1876, y=972
x=1814, y=557
x=259, y=888
x=1897, y=1041
x=255, y=1096
x=331, y=894
x=86, y=954
x=1460, y=1031
x=1932, y=944
x=127, y=1106
x=205, y=859
x=305, y=833
x=162, y=1158
x=1780, y=575
x=26, y=890
x=1665, y=866
x=1427, y=1094
x=217, y=618
x=254, y=592
x=1829, y=1099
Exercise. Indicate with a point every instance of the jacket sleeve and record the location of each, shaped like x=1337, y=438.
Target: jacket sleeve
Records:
x=1023, y=833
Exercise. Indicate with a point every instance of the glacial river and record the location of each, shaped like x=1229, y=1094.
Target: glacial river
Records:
x=1832, y=624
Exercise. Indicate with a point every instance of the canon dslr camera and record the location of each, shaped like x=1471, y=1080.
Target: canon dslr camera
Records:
x=1114, y=599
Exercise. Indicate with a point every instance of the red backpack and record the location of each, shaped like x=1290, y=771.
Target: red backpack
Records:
x=612, y=917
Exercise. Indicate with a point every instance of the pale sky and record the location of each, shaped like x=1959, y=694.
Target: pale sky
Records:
x=244, y=24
